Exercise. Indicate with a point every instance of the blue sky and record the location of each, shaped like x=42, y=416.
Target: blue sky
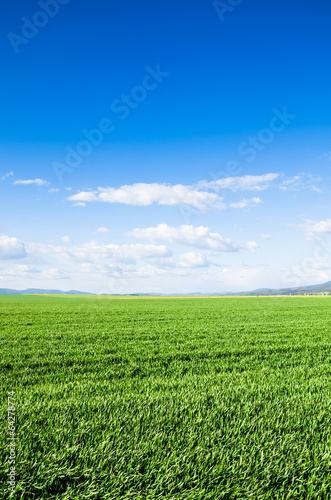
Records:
x=171, y=148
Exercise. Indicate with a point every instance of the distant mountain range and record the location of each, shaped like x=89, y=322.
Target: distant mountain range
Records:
x=313, y=289
x=30, y=291
x=324, y=288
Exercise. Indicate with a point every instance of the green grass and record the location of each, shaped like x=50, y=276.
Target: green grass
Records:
x=218, y=398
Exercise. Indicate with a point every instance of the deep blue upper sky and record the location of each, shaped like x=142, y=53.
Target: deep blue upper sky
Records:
x=224, y=76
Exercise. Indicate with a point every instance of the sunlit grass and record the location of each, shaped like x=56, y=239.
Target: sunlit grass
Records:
x=215, y=398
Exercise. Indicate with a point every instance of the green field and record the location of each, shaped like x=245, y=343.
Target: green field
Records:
x=169, y=398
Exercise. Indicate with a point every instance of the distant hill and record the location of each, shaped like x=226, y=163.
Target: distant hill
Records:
x=313, y=289
x=30, y=291
x=324, y=288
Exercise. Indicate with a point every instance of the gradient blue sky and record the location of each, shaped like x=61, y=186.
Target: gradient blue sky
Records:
x=171, y=197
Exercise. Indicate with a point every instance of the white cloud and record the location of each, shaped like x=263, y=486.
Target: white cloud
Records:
x=246, y=203
x=84, y=196
x=184, y=261
x=291, y=181
x=191, y=259
x=201, y=196
x=299, y=182
x=53, y=190
x=19, y=270
x=51, y=274
x=37, y=182
x=8, y=174
x=313, y=228
x=246, y=182
x=133, y=268
x=252, y=246
x=102, y=230
x=142, y=194
x=265, y=236
x=11, y=248
x=31, y=272
x=66, y=239
x=92, y=252
x=125, y=252
x=199, y=237
x=116, y=266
